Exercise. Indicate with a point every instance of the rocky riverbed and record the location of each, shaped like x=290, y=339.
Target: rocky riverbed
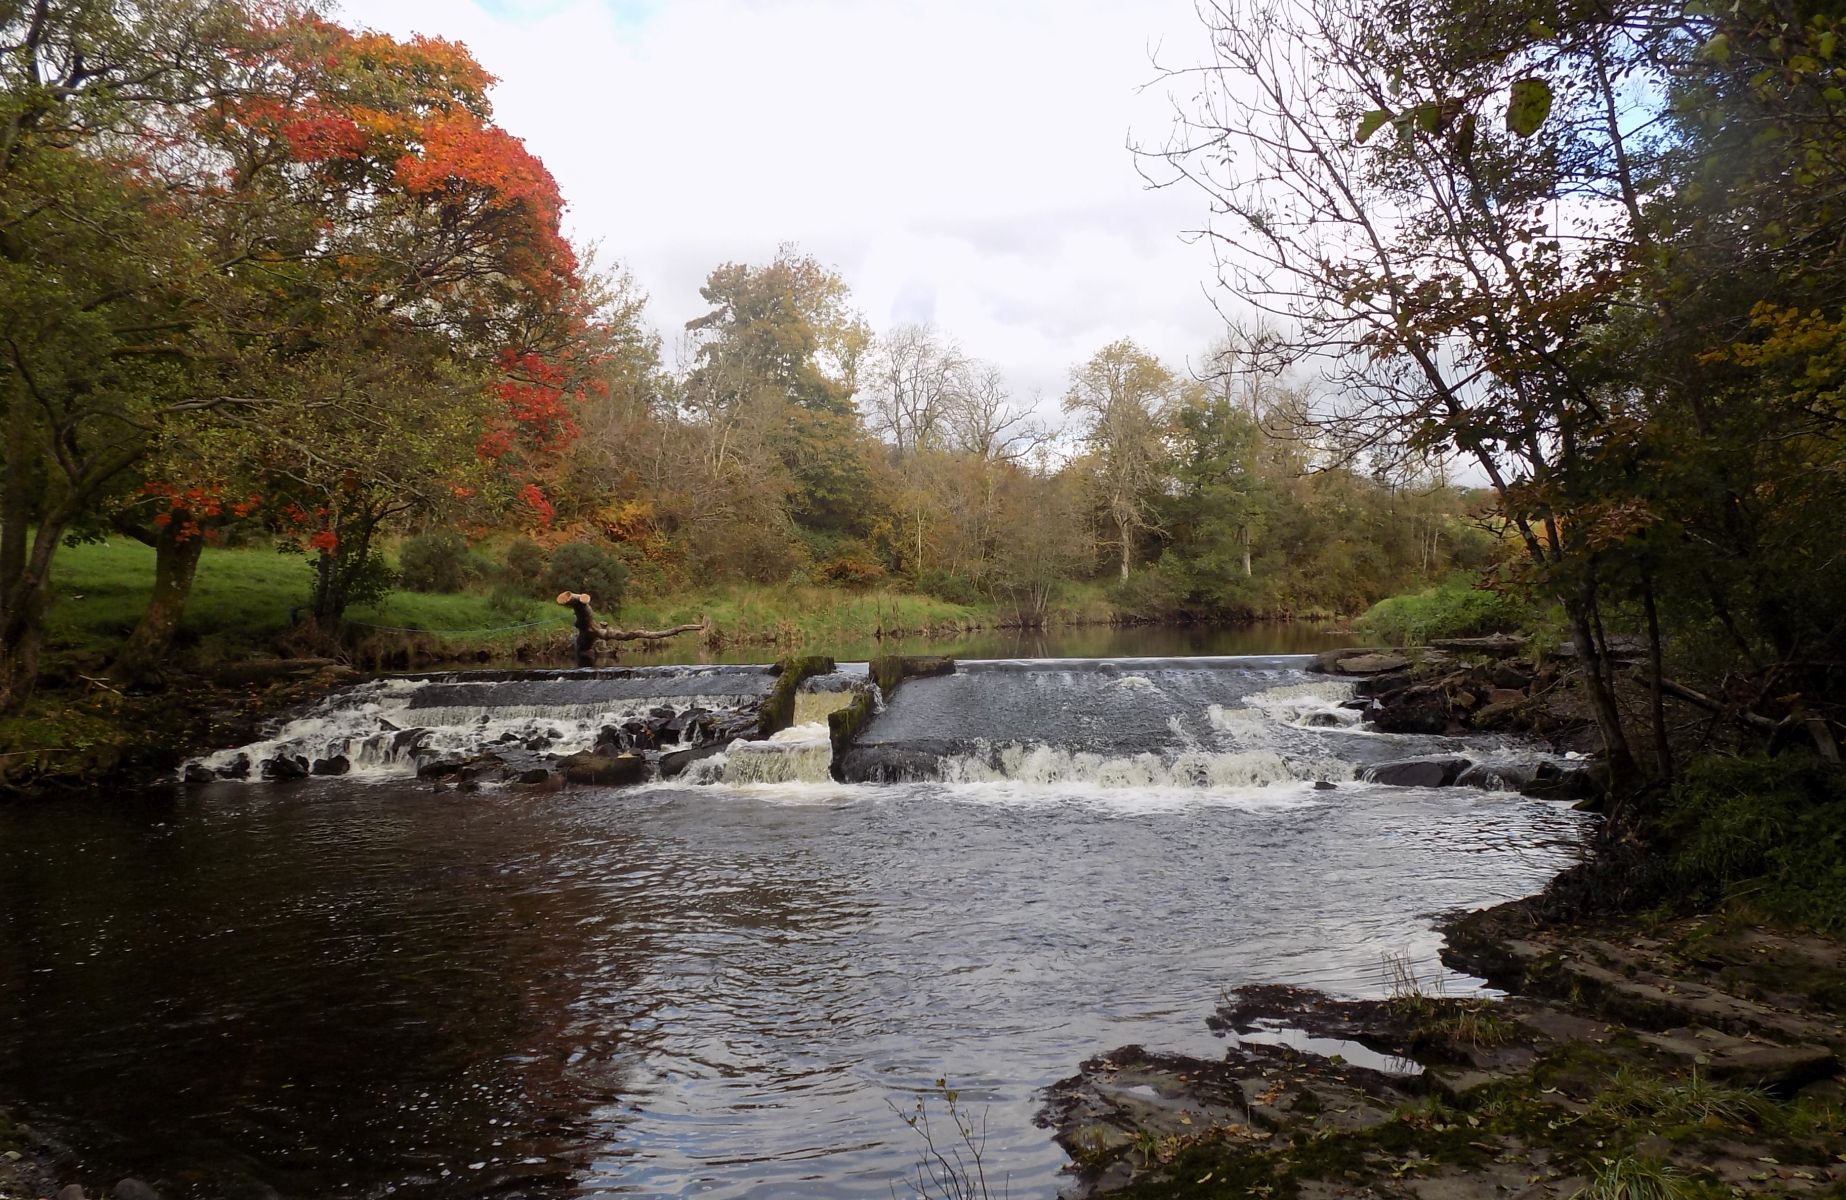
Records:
x=1698, y=1058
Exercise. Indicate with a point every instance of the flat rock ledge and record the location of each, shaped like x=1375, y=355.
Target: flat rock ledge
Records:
x=1702, y=1057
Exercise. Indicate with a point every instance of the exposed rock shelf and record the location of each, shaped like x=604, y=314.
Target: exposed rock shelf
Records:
x=1703, y=1055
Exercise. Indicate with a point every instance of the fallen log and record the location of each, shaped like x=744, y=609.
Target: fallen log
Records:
x=590, y=631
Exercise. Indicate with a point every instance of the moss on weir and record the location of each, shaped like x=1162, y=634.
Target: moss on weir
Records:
x=778, y=711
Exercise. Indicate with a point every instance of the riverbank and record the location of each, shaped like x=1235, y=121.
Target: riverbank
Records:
x=1636, y=1059
x=1673, y=1026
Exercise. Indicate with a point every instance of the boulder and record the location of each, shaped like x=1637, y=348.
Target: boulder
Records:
x=1500, y=716
x=1505, y=777
x=1498, y=645
x=1506, y=675
x=674, y=762
x=528, y=775
x=407, y=740
x=1411, y=710
x=339, y=764
x=285, y=766
x=134, y=1189
x=604, y=770
x=196, y=772
x=1360, y=662
x=437, y=768
x=1417, y=772
x=237, y=768
x=1553, y=782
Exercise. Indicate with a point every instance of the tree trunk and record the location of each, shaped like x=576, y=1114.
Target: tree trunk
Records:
x=1656, y=681
x=15, y=495
x=1624, y=774
x=22, y=628
x=1127, y=546
x=175, y=562
x=591, y=631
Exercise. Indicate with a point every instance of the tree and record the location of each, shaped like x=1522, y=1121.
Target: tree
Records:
x=777, y=359
x=108, y=299
x=788, y=325
x=917, y=379
x=1122, y=394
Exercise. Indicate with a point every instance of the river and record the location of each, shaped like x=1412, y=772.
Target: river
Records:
x=360, y=987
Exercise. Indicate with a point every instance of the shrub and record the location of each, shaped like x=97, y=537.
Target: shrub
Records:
x=849, y=570
x=586, y=567
x=945, y=585
x=435, y=562
x=524, y=565
x=1149, y=594
x=512, y=600
x=1772, y=830
x=1455, y=608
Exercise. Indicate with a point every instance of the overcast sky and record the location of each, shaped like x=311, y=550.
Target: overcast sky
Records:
x=959, y=161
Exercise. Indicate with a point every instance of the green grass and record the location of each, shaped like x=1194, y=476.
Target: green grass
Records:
x=1454, y=608
x=792, y=614
x=241, y=600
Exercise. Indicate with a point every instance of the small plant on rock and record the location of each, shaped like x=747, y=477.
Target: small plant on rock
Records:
x=1632, y=1178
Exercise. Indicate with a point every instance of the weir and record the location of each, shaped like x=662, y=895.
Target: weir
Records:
x=1187, y=723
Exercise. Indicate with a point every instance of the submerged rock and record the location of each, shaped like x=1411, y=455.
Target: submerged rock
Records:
x=339, y=764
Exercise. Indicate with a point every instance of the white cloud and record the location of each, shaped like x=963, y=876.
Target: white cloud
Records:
x=961, y=161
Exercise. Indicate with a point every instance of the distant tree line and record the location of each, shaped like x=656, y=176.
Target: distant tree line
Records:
x=265, y=276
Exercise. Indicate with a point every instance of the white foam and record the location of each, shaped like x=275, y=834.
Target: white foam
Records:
x=381, y=731
x=798, y=754
x=1046, y=766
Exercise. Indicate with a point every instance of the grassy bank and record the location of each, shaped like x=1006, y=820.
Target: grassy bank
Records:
x=244, y=599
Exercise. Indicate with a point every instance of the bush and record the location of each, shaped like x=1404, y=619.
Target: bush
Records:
x=1149, y=594
x=1456, y=608
x=945, y=585
x=512, y=600
x=1770, y=830
x=435, y=562
x=524, y=565
x=586, y=567
x=854, y=571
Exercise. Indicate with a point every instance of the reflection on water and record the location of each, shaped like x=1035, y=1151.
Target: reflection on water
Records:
x=1071, y=641
x=339, y=989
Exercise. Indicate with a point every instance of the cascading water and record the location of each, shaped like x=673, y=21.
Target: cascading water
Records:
x=1136, y=723
x=389, y=727
x=733, y=982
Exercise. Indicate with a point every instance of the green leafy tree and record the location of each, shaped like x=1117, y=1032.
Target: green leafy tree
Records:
x=1122, y=396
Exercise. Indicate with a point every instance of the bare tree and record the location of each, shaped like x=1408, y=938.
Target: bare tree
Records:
x=1437, y=231
x=984, y=422
x=915, y=377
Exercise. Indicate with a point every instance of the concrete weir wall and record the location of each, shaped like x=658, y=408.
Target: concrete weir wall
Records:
x=888, y=673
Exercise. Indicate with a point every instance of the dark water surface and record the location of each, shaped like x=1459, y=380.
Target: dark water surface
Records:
x=358, y=987
x=1070, y=641
x=363, y=990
